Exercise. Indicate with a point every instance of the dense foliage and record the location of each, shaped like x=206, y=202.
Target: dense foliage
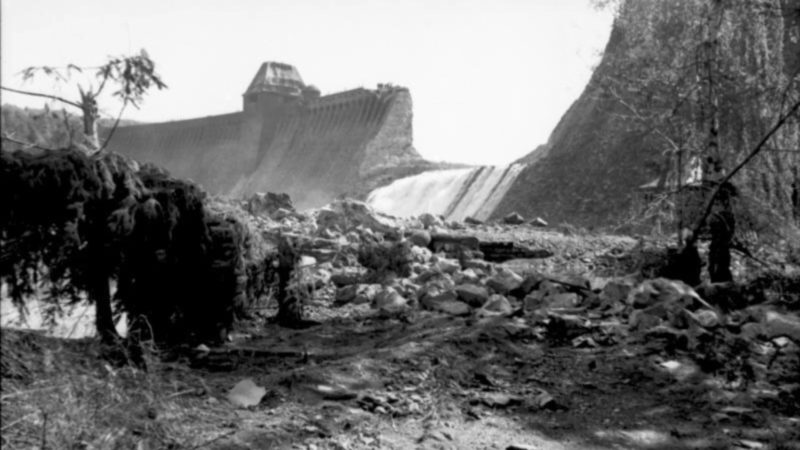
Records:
x=71, y=223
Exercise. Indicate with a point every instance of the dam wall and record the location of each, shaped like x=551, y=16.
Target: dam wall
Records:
x=318, y=152
x=197, y=149
x=288, y=138
x=455, y=194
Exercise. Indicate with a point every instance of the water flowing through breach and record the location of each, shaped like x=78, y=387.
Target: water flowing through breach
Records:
x=455, y=194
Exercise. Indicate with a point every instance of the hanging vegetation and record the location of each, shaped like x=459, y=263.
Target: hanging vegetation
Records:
x=71, y=224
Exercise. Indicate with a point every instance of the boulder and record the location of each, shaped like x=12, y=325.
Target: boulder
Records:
x=504, y=281
x=407, y=288
x=533, y=301
x=388, y=299
x=528, y=285
x=467, y=276
x=429, y=220
x=616, y=292
x=565, y=300
x=452, y=307
x=728, y=296
x=433, y=294
x=548, y=287
x=345, y=294
x=478, y=264
x=662, y=290
x=514, y=218
x=565, y=327
x=446, y=265
x=421, y=254
x=777, y=325
x=471, y=294
x=706, y=318
x=347, y=214
x=267, y=204
x=366, y=293
x=420, y=238
x=538, y=222
x=498, y=305
x=472, y=221
x=348, y=276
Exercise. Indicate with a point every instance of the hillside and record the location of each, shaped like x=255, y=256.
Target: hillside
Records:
x=601, y=152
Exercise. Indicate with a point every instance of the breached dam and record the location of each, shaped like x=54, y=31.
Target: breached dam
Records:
x=455, y=194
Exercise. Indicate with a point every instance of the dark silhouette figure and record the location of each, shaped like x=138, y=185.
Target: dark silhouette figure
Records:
x=722, y=226
x=796, y=195
x=689, y=264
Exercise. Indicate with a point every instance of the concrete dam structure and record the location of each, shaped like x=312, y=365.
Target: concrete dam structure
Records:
x=288, y=138
x=455, y=194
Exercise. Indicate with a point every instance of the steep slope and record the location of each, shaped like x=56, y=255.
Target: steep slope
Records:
x=611, y=142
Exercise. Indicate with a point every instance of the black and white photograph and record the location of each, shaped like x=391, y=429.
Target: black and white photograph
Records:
x=400, y=224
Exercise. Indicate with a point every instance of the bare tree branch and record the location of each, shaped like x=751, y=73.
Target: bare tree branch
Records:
x=37, y=94
x=5, y=137
x=113, y=129
x=753, y=153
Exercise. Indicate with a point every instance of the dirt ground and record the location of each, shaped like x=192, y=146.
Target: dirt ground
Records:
x=431, y=381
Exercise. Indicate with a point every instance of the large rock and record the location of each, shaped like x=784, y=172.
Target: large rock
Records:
x=429, y=220
x=452, y=307
x=497, y=305
x=472, y=221
x=513, y=218
x=446, y=265
x=346, y=215
x=388, y=299
x=565, y=300
x=270, y=204
x=528, y=285
x=419, y=238
x=662, y=290
x=346, y=294
x=616, y=292
x=421, y=254
x=348, y=276
x=366, y=293
x=777, y=324
x=504, y=281
x=538, y=222
x=472, y=294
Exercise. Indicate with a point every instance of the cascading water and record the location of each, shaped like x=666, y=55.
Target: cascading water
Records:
x=455, y=194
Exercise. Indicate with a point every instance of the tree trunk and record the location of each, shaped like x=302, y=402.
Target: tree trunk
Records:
x=290, y=308
x=90, y=115
x=101, y=295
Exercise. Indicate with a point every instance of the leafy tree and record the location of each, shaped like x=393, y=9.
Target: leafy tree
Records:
x=72, y=223
x=131, y=77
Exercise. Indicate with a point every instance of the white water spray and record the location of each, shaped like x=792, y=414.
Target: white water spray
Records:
x=455, y=194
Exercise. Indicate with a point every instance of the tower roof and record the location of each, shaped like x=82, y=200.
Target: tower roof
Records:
x=276, y=77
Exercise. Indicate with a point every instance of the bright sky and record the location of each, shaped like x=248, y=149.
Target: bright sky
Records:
x=489, y=79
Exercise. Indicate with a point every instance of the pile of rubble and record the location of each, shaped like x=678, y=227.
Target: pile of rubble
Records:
x=354, y=256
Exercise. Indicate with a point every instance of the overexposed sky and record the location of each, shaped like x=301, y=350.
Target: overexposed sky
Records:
x=489, y=78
